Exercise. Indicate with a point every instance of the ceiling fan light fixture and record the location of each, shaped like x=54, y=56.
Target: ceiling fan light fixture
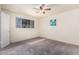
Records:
x=43, y=8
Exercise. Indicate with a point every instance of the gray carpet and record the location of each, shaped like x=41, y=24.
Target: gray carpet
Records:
x=40, y=47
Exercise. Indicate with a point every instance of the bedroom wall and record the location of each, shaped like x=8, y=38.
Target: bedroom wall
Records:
x=0, y=22
x=19, y=34
x=0, y=7
x=67, y=29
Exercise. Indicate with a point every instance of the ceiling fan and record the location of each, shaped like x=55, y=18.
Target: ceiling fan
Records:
x=43, y=8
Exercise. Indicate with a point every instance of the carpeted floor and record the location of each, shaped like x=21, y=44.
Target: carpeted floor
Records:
x=40, y=46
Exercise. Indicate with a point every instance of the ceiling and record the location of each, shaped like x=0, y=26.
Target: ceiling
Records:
x=29, y=8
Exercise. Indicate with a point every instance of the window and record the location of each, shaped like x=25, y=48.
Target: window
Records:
x=18, y=22
x=24, y=23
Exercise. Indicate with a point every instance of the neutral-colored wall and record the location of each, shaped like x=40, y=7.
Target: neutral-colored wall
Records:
x=19, y=34
x=67, y=29
x=0, y=24
x=0, y=7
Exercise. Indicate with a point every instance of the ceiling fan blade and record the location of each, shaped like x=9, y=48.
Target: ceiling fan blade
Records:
x=42, y=5
x=47, y=9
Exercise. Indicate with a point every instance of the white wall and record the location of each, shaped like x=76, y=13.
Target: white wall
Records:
x=0, y=24
x=0, y=7
x=67, y=29
x=19, y=34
